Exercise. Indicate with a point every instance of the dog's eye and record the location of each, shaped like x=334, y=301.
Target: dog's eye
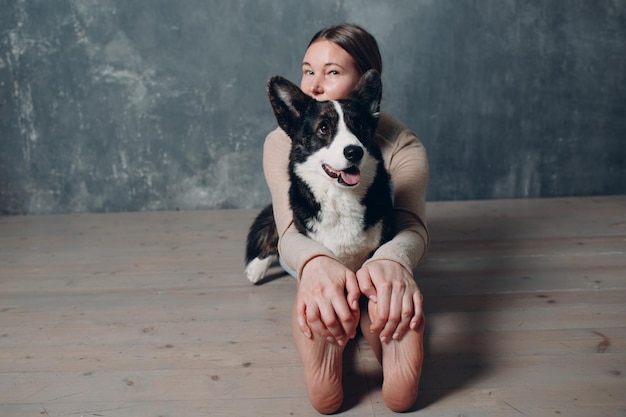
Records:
x=322, y=129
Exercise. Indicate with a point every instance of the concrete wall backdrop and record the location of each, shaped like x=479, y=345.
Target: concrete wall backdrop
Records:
x=115, y=105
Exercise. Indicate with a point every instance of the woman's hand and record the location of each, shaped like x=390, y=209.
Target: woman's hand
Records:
x=397, y=298
x=327, y=302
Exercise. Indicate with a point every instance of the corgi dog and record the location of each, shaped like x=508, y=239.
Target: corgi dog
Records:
x=340, y=192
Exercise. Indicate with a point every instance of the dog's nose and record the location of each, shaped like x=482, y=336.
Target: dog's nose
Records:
x=353, y=153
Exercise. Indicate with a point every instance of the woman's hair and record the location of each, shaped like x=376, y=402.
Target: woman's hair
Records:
x=357, y=42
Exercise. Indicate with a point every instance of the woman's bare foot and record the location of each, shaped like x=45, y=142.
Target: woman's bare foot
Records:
x=322, y=370
x=401, y=360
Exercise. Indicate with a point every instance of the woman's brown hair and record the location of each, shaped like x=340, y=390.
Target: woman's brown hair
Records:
x=356, y=41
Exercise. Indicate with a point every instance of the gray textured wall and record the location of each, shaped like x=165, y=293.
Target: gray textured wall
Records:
x=114, y=105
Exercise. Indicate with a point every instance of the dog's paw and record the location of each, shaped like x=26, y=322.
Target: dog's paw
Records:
x=256, y=269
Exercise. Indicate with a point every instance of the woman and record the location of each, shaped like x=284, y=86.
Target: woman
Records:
x=327, y=308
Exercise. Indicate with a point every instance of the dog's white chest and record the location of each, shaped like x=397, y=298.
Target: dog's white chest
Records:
x=340, y=227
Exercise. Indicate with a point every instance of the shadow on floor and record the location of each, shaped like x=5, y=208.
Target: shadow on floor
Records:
x=457, y=283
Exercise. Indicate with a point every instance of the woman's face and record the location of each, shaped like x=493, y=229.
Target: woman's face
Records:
x=328, y=71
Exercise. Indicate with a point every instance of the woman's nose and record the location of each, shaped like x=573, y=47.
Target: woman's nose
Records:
x=316, y=87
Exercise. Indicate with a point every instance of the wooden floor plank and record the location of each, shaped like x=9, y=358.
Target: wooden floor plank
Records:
x=148, y=314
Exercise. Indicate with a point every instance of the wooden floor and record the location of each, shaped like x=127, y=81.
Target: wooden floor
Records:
x=149, y=314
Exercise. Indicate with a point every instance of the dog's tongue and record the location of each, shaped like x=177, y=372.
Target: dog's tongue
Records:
x=351, y=176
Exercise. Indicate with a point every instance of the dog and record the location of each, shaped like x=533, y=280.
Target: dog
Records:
x=340, y=192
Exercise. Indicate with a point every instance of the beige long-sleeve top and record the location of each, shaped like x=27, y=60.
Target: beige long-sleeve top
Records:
x=405, y=159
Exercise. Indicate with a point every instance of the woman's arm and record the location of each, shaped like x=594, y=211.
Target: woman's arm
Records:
x=408, y=167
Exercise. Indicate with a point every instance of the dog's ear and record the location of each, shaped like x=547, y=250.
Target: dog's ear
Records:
x=288, y=102
x=369, y=91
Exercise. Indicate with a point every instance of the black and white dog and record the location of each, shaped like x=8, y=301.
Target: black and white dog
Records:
x=340, y=192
